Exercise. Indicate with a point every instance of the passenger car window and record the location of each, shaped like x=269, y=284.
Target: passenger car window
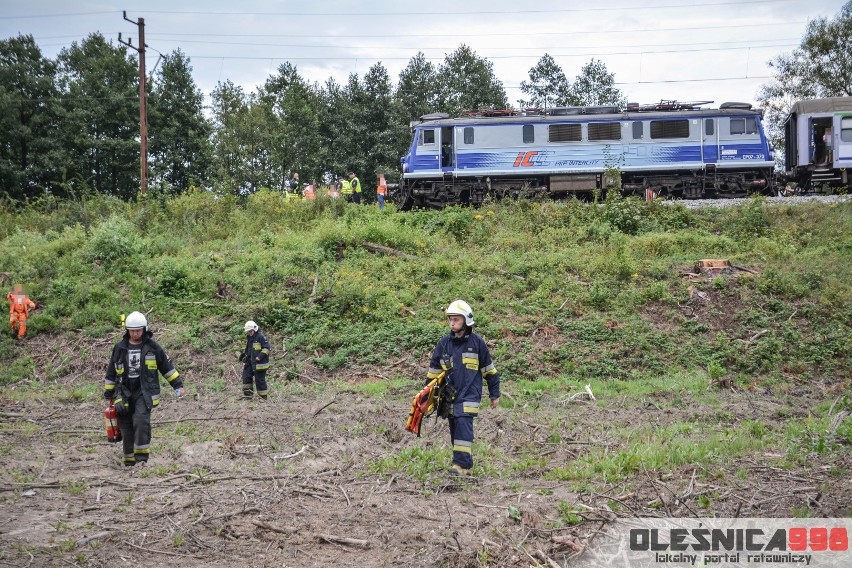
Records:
x=846, y=129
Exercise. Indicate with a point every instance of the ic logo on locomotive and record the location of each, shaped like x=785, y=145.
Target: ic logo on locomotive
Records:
x=531, y=159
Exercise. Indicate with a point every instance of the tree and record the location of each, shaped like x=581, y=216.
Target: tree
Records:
x=336, y=127
x=820, y=67
x=353, y=139
x=292, y=105
x=379, y=144
x=240, y=141
x=466, y=82
x=417, y=90
x=28, y=115
x=595, y=85
x=547, y=87
x=179, y=132
x=100, y=122
x=415, y=95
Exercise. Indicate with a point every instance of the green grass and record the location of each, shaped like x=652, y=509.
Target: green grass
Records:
x=567, y=294
x=417, y=462
x=663, y=449
x=75, y=488
x=379, y=388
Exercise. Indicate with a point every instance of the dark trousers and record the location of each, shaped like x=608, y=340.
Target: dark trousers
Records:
x=135, y=426
x=252, y=378
x=356, y=197
x=461, y=433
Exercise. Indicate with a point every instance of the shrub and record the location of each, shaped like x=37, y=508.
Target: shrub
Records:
x=624, y=214
x=752, y=220
x=174, y=279
x=115, y=239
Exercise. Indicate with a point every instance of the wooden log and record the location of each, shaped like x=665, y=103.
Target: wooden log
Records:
x=373, y=247
x=344, y=540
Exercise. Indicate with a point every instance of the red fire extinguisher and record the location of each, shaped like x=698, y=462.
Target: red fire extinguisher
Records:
x=113, y=432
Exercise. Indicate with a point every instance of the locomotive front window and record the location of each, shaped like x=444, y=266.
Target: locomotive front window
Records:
x=638, y=130
x=529, y=134
x=669, y=129
x=743, y=126
x=564, y=133
x=604, y=131
x=427, y=137
x=468, y=135
x=846, y=129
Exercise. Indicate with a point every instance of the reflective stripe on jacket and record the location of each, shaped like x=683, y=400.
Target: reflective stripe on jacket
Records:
x=355, y=184
x=257, y=346
x=471, y=364
x=153, y=362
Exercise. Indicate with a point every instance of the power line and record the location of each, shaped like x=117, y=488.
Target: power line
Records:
x=170, y=35
x=519, y=56
x=501, y=34
x=391, y=14
x=465, y=13
x=331, y=46
x=669, y=81
x=375, y=14
x=67, y=14
x=61, y=98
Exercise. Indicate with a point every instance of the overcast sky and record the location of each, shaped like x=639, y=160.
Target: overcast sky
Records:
x=687, y=50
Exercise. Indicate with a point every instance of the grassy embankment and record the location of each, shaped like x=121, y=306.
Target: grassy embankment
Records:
x=569, y=293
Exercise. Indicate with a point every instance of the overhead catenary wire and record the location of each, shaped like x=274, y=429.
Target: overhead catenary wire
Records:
x=537, y=33
x=175, y=40
x=482, y=48
x=517, y=34
x=468, y=12
x=516, y=12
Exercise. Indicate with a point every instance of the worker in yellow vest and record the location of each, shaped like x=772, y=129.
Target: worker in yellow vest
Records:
x=345, y=188
x=356, y=188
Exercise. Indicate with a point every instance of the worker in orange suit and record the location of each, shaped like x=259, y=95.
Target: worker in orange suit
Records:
x=19, y=310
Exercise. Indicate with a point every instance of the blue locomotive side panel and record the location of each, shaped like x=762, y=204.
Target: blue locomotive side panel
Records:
x=500, y=151
x=686, y=153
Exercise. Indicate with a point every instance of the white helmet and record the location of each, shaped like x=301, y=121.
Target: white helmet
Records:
x=136, y=320
x=250, y=326
x=461, y=308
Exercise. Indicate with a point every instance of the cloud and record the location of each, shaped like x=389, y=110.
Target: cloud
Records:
x=709, y=49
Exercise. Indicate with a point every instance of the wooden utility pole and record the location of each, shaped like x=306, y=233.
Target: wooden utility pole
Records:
x=143, y=103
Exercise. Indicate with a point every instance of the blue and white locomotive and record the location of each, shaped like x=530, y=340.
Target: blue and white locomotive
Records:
x=673, y=149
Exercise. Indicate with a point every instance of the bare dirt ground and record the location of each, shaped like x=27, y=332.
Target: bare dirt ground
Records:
x=290, y=482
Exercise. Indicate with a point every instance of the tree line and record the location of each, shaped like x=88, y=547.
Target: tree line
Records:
x=70, y=125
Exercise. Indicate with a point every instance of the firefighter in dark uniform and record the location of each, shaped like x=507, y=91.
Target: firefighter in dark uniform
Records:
x=256, y=358
x=132, y=385
x=465, y=357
